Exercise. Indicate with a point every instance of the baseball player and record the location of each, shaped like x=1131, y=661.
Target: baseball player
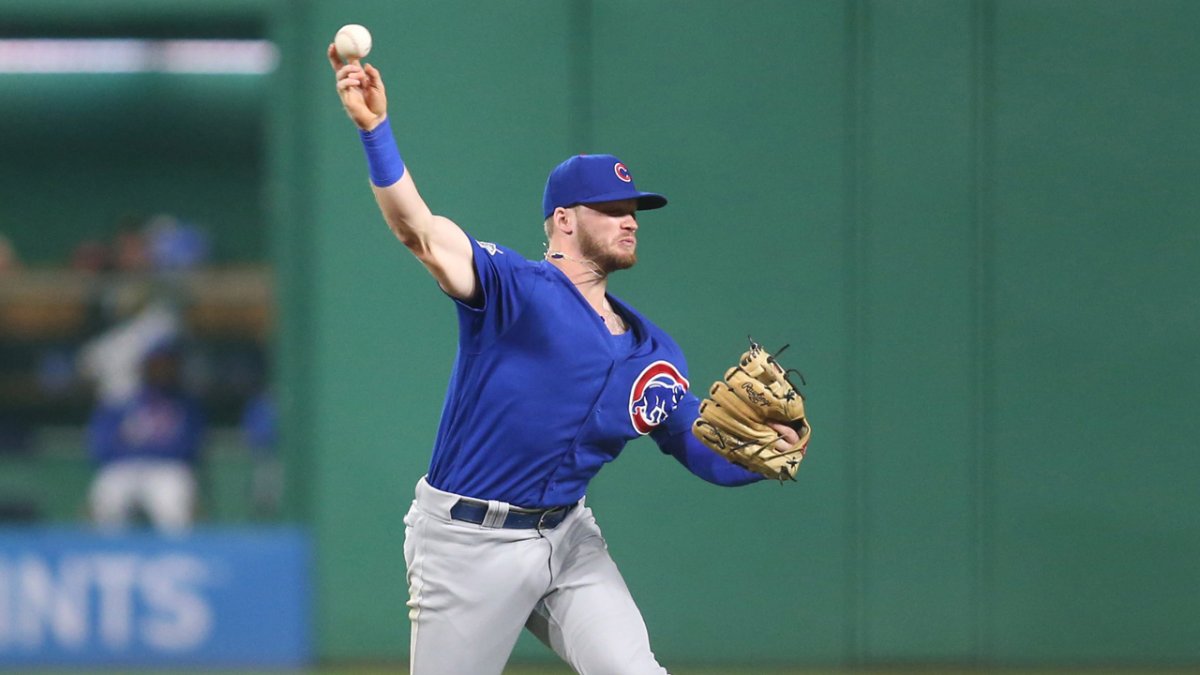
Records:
x=146, y=449
x=553, y=376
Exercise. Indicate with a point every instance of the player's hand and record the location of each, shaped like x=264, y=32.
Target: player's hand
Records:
x=789, y=436
x=361, y=89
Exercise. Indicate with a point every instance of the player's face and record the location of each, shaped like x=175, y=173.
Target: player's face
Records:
x=608, y=233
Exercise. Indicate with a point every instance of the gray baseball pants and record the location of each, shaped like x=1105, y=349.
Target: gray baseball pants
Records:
x=472, y=588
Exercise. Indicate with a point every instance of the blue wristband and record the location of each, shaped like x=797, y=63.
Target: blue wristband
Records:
x=383, y=158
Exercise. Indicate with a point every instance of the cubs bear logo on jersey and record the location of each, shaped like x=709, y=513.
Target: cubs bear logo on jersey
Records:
x=654, y=395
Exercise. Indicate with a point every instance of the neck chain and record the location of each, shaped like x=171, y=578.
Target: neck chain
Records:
x=613, y=321
x=588, y=264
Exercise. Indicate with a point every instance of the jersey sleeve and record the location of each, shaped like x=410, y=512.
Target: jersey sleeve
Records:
x=674, y=437
x=502, y=281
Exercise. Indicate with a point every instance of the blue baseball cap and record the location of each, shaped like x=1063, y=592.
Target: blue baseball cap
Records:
x=591, y=179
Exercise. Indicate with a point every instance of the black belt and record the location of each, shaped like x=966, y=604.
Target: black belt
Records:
x=472, y=511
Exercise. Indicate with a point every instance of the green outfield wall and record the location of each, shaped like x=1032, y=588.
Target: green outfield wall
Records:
x=975, y=222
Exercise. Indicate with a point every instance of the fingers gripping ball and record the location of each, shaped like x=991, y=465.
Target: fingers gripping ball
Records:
x=735, y=419
x=352, y=42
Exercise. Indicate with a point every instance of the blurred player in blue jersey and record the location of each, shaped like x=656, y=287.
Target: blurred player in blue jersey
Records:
x=553, y=377
x=146, y=447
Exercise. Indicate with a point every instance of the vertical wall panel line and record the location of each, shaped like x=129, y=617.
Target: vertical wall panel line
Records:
x=982, y=330
x=290, y=193
x=580, y=39
x=854, y=265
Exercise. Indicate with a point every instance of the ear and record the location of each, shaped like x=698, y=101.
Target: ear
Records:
x=563, y=220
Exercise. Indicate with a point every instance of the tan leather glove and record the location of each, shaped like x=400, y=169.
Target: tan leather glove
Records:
x=734, y=418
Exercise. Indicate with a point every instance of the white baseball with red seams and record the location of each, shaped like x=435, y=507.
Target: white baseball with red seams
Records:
x=352, y=41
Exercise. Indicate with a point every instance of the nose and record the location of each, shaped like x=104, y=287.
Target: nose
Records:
x=629, y=222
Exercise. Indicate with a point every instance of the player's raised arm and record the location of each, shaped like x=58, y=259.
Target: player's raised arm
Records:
x=436, y=241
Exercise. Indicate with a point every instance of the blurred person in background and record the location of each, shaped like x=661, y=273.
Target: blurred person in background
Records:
x=173, y=245
x=146, y=448
x=113, y=358
x=260, y=430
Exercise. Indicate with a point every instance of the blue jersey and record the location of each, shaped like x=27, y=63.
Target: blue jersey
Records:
x=153, y=424
x=542, y=395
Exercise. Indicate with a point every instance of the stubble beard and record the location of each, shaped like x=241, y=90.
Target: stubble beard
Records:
x=606, y=258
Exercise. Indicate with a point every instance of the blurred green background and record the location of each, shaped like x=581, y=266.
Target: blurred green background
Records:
x=975, y=221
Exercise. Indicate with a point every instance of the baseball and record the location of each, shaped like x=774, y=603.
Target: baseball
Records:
x=352, y=41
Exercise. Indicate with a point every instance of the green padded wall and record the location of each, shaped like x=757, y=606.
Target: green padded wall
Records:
x=1095, y=362
x=973, y=220
x=913, y=263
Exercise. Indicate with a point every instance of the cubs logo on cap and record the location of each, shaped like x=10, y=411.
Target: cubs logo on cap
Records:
x=592, y=179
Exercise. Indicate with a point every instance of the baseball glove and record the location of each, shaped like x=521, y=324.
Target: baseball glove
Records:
x=734, y=418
